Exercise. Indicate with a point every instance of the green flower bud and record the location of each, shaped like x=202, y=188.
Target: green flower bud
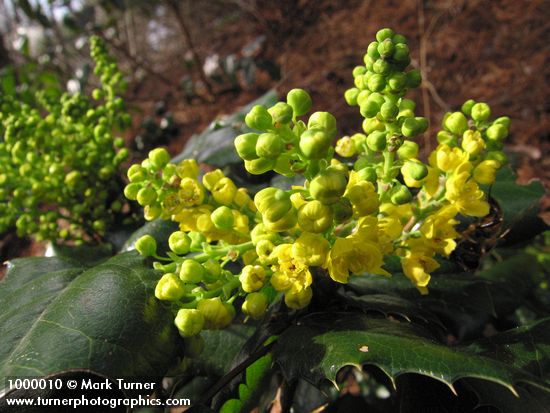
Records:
x=397, y=81
x=273, y=203
x=281, y=113
x=191, y=272
x=407, y=104
x=363, y=96
x=197, y=240
x=300, y=101
x=179, y=242
x=399, y=38
x=497, y=132
x=414, y=78
x=351, y=95
x=386, y=48
x=401, y=52
x=456, y=123
x=252, y=278
x=389, y=111
x=372, y=51
x=414, y=126
x=146, y=246
x=329, y=186
x=498, y=156
x=358, y=71
x=447, y=138
x=136, y=173
x=259, y=118
x=216, y=314
x=369, y=108
x=415, y=170
x=367, y=174
x=376, y=141
x=255, y=305
x=169, y=288
x=504, y=121
x=381, y=67
x=480, y=112
x=315, y=217
x=384, y=34
x=194, y=346
x=314, y=143
x=467, y=107
x=323, y=120
x=222, y=217
x=259, y=166
x=72, y=179
x=358, y=140
x=159, y=157
x=376, y=83
x=189, y=322
x=245, y=145
x=269, y=145
x=146, y=196
x=400, y=195
x=152, y=212
x=213, y=270
x=372, y=124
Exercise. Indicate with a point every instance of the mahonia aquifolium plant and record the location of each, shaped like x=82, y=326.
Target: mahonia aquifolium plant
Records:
x=350, y=216
x=60, y=163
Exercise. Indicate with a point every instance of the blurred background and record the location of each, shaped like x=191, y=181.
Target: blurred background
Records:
x=188, y=62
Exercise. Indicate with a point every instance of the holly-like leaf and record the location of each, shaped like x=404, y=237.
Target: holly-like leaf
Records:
x=214, y=146
x=58, y=316
x=319, y=345
x=519, y=204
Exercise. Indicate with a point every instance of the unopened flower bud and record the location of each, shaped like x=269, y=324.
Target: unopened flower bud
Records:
x=328, y=186
x=169, y=288
x=259, y=118
x=179, y=242
x=384, y=34
x=269, y=145
x=315, y=217
x=131, y=190
x=497, y=132
x=376, y=83
x=146, y=196
x=245, y=145
x=222, y=217
x=389, y=111
x=414, y=79
x=472, y=142
x=191, y=271
x=480, y=112
x=300, y=101
x=146, y=246
x=252, y=278
x=259, y=166
x=485, y=172
x=467, y=107
x=369, y=108
x=314, y=143
x=159, y=157
x=298, y=300
x=255, y=305
x=456, y=123
x=376, y=141
x=323, y=120
x=351, y=95
x=408, y=150
x=400, y=195
x=189, y=322
x=447, y=138
x=414, y=126
x=216, y=314
x=345, y=147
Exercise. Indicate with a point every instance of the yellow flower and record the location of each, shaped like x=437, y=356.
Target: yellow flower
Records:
x=447, y=159
x=439, y=230
x=472, y=142
x=188, y=168
x=191, y=192
x=297, y=300
x=252, y=278
x=402, y=212
x=417, y=268
x=289, y=273
x=315, y=217
x=311, y=249
x=211, y=178
x=363, y=197
x=188, y=217
x=465, y=195
x=224, y=191
x=485, y=172
x=242, y=199
x=354, y=255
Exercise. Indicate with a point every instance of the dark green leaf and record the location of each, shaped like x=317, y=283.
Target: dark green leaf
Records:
x=321, y=344
x=105, y=319
x=520, y=205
